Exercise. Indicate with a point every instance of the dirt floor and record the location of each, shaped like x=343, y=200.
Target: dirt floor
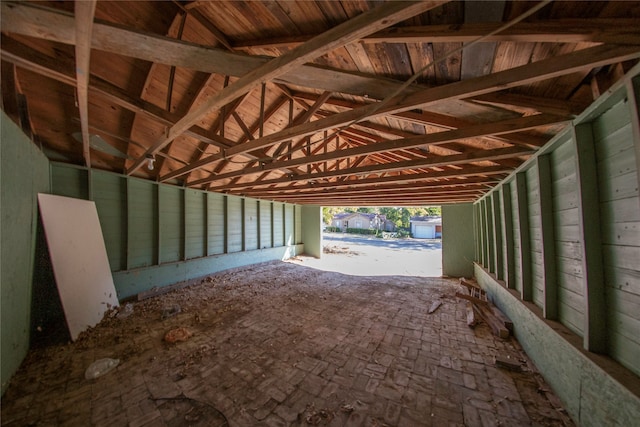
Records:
x=284, y=344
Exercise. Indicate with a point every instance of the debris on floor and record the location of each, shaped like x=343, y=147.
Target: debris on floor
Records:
x=507, y=362
x=272, y=339
x=500, y=324
x=100, y=367
x=177, y=335
x=125, y=311
x=434, y=306
x=170, y=311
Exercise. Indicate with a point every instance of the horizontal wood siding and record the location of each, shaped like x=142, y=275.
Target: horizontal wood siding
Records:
x=234, y=224
x=278, y=224
x=537, y=274
x=215, y=223
x=620, y=219
x=195, y=224
x=251, y=224
x=265, y=224
x=110, y=196
x=142, y=202
x=568, y=249
x=171, y=200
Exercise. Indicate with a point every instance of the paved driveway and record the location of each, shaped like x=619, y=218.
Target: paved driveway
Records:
x=367, y=256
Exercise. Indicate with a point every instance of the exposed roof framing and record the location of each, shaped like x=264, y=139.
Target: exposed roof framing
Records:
x=306, y=101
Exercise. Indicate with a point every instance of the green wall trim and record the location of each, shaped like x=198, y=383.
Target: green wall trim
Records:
x=132, y=282
x=591, y=395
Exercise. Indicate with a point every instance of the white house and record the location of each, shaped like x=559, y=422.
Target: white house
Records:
x=426, y=227
x=362, y=220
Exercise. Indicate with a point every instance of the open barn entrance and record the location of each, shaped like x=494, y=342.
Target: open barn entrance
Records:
x=379, y=241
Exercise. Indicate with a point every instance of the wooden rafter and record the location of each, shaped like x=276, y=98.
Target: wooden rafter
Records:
x=470, y=157
x=54, y=25
x=505, y=126
x=530, y=73
x=354, y=29
x=84, y=13
x=601, y=30
x=452, y=173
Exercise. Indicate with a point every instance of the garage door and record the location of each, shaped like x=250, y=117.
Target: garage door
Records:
x=424, y=232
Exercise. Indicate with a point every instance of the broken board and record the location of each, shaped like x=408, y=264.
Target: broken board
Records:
x=79, y=259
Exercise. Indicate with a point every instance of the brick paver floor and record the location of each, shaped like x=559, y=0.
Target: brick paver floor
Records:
x=281, y=344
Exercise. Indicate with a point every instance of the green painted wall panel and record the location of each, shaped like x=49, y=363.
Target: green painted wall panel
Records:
x=24, y=172
x=265, y=224
x=234, y=224
x=537, y=273
x=171, y=208
x=312, y=230
x=457, y=246
x=195, y=223
x=142, y=202
x=251, y=224
x=566, y=220
x=216, y=223
x=619, y=207
x=69, y=181
x=110, y=196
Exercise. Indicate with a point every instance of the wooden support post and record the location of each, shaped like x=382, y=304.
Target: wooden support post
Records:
x=550, y=307
x=184, y=224
x=284, y=225
x=243, y=224
x=129, y=222
x=273, y=241
x=507, y=211
x=483, y=237
x=490, y=234
x=526, y=292
x=258, y=227
x=207, y=224
x=477, y=232
x=497, y=236
x=594, y=331
x=225, y=211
